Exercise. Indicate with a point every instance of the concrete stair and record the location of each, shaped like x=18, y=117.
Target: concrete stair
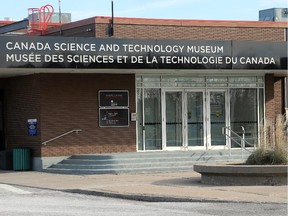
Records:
x=144, y=162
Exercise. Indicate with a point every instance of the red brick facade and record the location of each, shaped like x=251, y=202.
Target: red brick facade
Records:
x=175, y=29
x=279, y=95
x=274, y=96
x=192, y=32
x=62, y=102
x=71, y=102
x=22, y=102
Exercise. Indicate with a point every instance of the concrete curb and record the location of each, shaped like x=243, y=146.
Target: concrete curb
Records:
x=244, y=175
x=153, y=198
x=135, y=197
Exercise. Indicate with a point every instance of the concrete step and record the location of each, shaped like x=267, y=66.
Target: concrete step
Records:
x=158, y=154
x=124, y=165
x=147, y=162
x=119, y=171
x=128, y=161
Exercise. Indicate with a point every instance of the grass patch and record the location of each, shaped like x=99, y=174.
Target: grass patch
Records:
x=273, y=144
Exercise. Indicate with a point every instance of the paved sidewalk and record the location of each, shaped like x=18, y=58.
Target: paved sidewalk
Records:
x=182, y=186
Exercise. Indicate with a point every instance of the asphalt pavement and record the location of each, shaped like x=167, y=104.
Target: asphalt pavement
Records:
x=156, y=187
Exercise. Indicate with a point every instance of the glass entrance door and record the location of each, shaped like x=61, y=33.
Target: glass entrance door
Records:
x=183, y=122
x=151, y=125
x=217, y=117
x=195, y=116
x=193, y=119
x=174, y=119
x=188, y=112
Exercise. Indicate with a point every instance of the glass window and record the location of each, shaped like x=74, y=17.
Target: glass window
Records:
x=241, y=85
x=151, y=81
x=243, y=115
x=260, y=79
x=217, y=79
x=217, y=85
x=242, y=79
x=174, y=81
x=182, y=79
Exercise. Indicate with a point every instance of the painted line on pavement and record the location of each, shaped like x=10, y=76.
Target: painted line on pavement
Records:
x=13, y=189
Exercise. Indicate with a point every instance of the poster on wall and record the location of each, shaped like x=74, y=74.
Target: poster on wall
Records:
x=118, y=117
x=32, y=127
x=113, y=98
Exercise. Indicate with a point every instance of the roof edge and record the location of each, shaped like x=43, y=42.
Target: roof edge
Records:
x=184, y=22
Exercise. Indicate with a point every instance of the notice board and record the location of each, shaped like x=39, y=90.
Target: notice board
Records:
x=113, y=98
x=113, y=117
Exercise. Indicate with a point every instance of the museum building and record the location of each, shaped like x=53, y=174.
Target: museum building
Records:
x=139, y=85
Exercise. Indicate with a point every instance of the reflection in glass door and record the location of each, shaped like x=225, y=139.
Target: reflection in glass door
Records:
x=195, y=117
x=184, y=119
x=218, y=117
x=244, y=117
x=149, y=123
x=173, y=112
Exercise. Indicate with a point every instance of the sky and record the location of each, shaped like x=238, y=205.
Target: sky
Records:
x=163, y=9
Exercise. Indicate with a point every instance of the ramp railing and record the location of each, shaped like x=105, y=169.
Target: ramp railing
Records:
x=237, y=139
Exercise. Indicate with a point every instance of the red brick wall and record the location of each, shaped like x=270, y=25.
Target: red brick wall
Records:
x=279, y=95
x=269, y=97
x=191, y=32
x=174, y=29
x=78, y=31
x=22, y=102
x=70, y=101
x=273, y=96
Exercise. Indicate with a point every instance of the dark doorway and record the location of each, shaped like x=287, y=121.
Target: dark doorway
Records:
x=2, y=134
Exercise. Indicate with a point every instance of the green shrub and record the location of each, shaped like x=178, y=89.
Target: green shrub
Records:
x=267, y=157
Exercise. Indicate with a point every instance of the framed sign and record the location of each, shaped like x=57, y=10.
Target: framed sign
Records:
x=109, y=117
x=113, y=98
x=32, y=127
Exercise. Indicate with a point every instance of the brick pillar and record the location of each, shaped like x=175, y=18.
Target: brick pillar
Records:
x=278, y=95
x=269, y=97
x=274, y=96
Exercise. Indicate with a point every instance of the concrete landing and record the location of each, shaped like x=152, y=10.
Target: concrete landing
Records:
x=164, y=187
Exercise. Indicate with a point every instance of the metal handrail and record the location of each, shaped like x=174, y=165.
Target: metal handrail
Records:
x=243, y=140
x=61, y=135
